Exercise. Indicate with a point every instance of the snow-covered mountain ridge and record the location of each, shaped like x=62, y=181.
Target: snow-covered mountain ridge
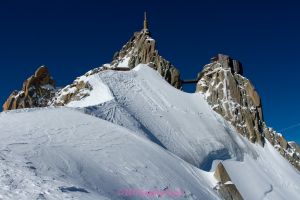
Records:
x=171, y=139
x=126, y=126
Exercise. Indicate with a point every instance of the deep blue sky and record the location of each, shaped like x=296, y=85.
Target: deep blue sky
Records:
x=71, y=37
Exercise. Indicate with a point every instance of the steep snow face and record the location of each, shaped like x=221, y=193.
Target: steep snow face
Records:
x=269, y=176
x=187, y=126
x=62, y=154
x=180, y=122
x=99, y=93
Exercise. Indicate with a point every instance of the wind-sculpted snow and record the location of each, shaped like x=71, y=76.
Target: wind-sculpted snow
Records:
x=62, y=153
x=148, y=140
x=180, y=122
x=269, y=176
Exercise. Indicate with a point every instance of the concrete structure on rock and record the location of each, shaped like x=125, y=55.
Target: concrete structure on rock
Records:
x=226, y=61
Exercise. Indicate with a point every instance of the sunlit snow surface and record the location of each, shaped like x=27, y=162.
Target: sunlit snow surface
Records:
x=140, y=133
x=100, y=93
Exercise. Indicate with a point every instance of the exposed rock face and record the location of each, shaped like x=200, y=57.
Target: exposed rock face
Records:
x=225, y=187
x=79, y=89
x=221, y=174
x=37, y=91
x=289, y=150
x=141, y=49
x=232, y=96
x=295, y=146
x=235, y=98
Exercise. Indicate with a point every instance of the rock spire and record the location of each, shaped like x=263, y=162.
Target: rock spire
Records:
x=145, y=22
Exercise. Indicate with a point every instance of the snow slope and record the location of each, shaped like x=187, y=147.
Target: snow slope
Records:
x=45, y=150
x=269, y=176
x=141, y=134
x=147, y=105
x=100, y=93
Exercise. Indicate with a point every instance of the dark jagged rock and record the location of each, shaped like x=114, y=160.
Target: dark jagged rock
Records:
x=141, y=49
x=37, y=91
x=235, y=98
x=232, y=96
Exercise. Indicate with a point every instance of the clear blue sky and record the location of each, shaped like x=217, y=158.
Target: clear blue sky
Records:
x=71, y=37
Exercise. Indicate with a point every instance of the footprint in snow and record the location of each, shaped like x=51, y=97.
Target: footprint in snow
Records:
x=72, y=189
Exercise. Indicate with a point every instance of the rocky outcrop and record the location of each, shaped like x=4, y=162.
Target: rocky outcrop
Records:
x=37, y=91
x=294, y=145
x=79, y=89
x=141, y=49
x=226, y=189
x=232, y=96
x=289, y=150
x=235, y=98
